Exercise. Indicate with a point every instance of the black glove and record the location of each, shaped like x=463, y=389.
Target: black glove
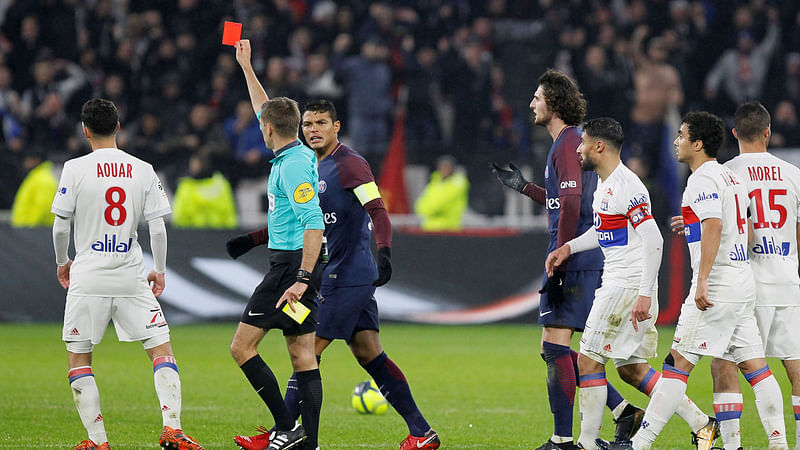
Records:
x=384, y=266
x=554, y=287
x=512, y=178
x=239, y=245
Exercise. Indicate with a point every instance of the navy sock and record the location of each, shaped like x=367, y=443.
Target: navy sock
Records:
x=309, y=387
x=292, y=397
x=394, y=387
x=614, y=397
x=561, y=384
x=263, y=381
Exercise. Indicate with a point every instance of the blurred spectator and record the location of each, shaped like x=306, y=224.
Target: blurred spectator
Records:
x=147, y=139
x=204, y=198
x=740, y=73
x=320, y=79
x=24, y=51
x=423, y=78
x=247, y=143
x=443, y=202
x=35, y=195
x=785, y=126
x=367, y=79
x=789, y=87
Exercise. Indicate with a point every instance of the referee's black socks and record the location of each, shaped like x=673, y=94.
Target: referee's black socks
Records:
x=263, y=381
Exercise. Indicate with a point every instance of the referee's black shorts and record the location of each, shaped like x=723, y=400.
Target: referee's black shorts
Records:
x=260, y=310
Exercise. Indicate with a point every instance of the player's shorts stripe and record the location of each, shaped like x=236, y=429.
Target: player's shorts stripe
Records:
x=164, y=361
x=367, y=192
x=757, y=375
x=591, y=380
x=80, y=372
x=649, y=382
x=796, y=412
x=674, y=373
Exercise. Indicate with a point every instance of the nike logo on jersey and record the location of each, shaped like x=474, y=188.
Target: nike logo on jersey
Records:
x=542, y=314
x=252, y=314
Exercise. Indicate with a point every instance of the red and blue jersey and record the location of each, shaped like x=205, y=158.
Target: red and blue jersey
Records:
x=347, y=223
x=562, y=177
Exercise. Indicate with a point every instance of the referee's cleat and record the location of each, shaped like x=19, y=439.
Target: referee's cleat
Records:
x=705, y=437
x=257, y=442
x=89, y=444
x=615, y=445
x=628, y=423
x=550, y=445
x=284, y=440
x=429, y=441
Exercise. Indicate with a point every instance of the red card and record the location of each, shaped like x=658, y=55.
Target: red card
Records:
x=231, y=33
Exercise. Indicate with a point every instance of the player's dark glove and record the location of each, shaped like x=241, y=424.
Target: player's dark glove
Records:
x=512, y=178
x=239, y=245
x=554, y=288
x=384, y=266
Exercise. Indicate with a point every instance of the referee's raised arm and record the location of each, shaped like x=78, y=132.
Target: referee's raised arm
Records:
x=258, y=96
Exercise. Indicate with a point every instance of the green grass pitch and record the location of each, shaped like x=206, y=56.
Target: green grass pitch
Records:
x=480, y=387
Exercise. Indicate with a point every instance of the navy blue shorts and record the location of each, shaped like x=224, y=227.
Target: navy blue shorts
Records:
x=579, y=289
x=346, y=310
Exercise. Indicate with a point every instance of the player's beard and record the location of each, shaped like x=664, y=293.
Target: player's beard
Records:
x=587, y=164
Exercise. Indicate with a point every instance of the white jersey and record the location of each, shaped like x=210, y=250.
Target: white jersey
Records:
x=714, y=191
x=106, y=193
x=621, y=203
x=774, y=189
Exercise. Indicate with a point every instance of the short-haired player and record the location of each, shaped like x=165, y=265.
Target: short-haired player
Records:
x=621, y=324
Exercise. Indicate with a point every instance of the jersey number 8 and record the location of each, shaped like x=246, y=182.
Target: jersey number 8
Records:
x=118, y=205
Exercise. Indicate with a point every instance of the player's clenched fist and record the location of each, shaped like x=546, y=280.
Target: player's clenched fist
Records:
x=243, y=52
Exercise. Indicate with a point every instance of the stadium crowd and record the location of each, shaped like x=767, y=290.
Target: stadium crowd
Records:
x=460, y=73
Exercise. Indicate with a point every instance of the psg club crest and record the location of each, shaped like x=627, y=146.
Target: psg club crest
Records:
x=322, y=186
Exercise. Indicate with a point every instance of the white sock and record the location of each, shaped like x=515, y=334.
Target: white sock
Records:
x=769, y=403
x=592, y=394
x=168, y=389
x=728, y=409
x=664, y=402
x=796, y=407
x=87, y=402
x=693, y=415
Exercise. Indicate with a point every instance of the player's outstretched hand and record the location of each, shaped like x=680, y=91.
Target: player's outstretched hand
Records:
x=554, y=287
x=512, y=178
x=157, y=282
x=556, y=258
x=62, y=272
x=243, y=52
x=384, y=266
x=676, y=223
x=641, y=311
x=239, y=245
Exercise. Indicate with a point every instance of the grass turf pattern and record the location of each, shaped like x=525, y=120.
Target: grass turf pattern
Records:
x=480, y=387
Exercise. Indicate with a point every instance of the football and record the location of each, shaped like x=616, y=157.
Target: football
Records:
x=367, y=399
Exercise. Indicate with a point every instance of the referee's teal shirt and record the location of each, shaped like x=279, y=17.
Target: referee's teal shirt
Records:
x=292, y=193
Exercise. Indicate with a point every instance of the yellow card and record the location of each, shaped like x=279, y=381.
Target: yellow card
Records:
x=300, y=311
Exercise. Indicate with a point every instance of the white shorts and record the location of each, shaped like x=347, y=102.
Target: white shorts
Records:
x=609, y=334
x=135, y=318
x=780, y=329
x=726, y=330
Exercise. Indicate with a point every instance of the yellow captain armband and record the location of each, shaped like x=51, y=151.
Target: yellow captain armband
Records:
x=367, y=192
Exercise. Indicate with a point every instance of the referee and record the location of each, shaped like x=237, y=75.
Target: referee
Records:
x=285, y=299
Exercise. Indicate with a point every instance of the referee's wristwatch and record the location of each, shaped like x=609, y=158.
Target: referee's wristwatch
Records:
x=303, y=276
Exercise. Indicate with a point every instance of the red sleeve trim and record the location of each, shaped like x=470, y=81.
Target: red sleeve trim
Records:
x=382, y=225
x=536, y=192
